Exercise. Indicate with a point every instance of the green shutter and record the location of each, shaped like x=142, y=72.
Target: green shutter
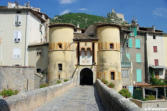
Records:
x=139, y=75
x=128, y=55
x=138, y=57
x=130, y=42
x=135, y=31
x=137, y=43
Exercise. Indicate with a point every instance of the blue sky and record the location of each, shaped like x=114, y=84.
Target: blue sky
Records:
x=147, y=12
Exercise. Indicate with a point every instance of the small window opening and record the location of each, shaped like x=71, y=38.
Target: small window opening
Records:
x=112, y=75
x=60, y=67
x=112, y=46
x=154, y=37
x=60, y=45
x=39, y=70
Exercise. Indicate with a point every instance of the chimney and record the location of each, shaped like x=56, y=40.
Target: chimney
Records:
x=153, y=28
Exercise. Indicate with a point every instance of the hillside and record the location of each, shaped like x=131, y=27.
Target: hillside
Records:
x=84, y=20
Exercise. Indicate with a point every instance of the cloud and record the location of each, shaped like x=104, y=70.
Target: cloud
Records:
x=161, y=12
x=66, y=1
x=83, y=9
x=65, y=12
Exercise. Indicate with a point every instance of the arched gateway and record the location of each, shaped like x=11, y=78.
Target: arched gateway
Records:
x=86, y=77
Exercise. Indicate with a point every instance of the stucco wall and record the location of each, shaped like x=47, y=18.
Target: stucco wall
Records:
x=133, y=51
x=112, y=101
x=20, y=78
x=7, y=43
x=38, y=57
x=151, y=105
x=109, y=60
x=33, y=99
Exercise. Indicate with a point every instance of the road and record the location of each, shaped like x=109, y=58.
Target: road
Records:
x=81, y=98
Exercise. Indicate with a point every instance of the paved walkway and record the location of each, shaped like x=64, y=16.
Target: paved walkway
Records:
x=81, y=98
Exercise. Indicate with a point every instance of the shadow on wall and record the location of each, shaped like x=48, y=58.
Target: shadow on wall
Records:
x=4, y=105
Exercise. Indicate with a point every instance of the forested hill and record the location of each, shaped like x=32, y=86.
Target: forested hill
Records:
x=84, y=20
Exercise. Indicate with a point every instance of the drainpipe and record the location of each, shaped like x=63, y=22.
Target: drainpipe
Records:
x=26, y=48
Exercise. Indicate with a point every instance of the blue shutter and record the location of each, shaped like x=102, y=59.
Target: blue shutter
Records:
x=137, y=43
x=130, y=43
x=139, y=75
x=138, y=57
x=128, y=55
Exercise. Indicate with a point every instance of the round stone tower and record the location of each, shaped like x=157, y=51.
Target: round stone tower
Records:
x=108, y=55
x=62, y=55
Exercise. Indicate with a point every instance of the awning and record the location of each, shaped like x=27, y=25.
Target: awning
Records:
x=158, y=67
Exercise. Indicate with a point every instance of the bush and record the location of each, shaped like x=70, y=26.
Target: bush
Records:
x=125, y=92
x=111, y=85
x=44, y=85
x=65, y=80
x=137, y=94
x=104, y=81
x=58, y=81
x=8, y=92
x=150, y=97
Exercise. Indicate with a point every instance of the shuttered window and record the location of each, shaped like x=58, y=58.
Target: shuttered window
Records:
x=137, y=43
x=134, y=32
x=128, y=55
x=155, y=48
x=138, y=57
x=130, y=43
x=156, y=62
x=139, y=75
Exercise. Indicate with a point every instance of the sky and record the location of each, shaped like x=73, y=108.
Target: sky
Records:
x=147, y=12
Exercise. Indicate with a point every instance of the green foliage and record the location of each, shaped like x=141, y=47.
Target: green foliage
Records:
x=150, y=97
x=85, y=20
x=111, y=85
x=104, y=81
x=58, y=81
x=155, y=81
x=125, y=92
x=44, y=85
x=8, y=92
x=65, y=80
x=137, y=94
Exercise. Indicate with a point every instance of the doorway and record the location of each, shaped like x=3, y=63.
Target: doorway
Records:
x=86, y=77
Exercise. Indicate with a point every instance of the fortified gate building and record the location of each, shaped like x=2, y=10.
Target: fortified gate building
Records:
x=86, y=56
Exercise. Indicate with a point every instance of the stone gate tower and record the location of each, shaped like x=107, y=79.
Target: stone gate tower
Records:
x=62, y=55
x=109, y=60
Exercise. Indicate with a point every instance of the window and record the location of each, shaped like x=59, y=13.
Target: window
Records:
x=60, y=45
x=138, y=57
x=60, y=67
x=137, y=43
x=154, y=37
x=111, y=46
x=139, y=75
x=17, y=36
x=155, y=48
x=125, y=74
x=16, y=53
x=134, y=32
x=130, y=43
x=112, y=75
x=156, y=62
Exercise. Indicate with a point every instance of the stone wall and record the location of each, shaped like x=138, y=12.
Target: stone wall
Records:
x=30, y=100
x=20, y=78
x=151, y=105
x=112, y=101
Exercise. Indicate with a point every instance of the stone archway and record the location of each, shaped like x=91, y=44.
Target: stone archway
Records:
x=86, y=77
